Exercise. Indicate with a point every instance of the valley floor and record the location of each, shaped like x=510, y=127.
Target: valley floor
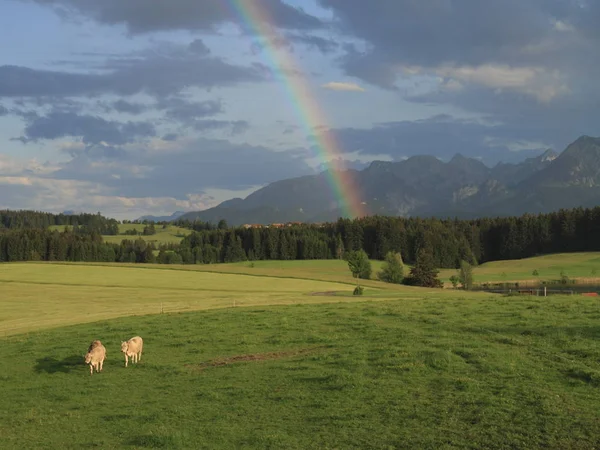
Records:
x=282, y=355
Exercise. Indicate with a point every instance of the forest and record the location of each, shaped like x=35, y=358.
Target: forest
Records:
x=82, y=223
x=25, y=236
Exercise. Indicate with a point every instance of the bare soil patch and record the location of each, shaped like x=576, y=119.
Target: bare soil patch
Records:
x=327, y=293
x=217, y=362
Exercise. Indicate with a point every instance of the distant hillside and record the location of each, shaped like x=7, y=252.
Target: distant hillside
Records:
x=425, y=186
x=173, y=216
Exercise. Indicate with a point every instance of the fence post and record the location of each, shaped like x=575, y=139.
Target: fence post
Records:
x=544, y=291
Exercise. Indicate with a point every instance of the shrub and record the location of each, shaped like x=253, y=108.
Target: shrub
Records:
x=454, y=280
x=465, y=275
x=393, y=269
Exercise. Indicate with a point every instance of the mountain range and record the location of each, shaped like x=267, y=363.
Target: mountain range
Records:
x=428, y=187
x=170, y=218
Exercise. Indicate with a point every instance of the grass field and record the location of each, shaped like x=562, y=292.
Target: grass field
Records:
x=297, y=363
x=549, y=267
x=40, y=295
x=171, y=234
x=407, y=373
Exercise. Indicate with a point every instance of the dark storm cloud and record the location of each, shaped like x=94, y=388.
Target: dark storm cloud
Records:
x=470, y=32
x=199, y=164
x=169, y=137
x=123, y=106
x=530, y=66
x=91, y=129
x=443, y=136
x=523, y=118
x=198, y=47
x=144, y=16
x=312, y=41
x=97, y=152
x=16, y=81
x=160, y=71
x=233, y=126
x=185, y=111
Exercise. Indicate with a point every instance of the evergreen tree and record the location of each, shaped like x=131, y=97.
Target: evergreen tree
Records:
x=339, y=247
x=423, y=272
x=234, y=251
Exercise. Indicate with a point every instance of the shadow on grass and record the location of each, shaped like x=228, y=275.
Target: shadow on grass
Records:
x=53, y=365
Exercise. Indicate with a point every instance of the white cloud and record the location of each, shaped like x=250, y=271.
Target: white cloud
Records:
x=515, y=145
x=45, y=194
x=13, y=166
x=345, y=161
x=188, y=175
x=543, y=84
x=339, y=86
x=559, y=25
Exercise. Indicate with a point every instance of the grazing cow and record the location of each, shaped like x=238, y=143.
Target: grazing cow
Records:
x=95, y=357
x=94, y=343
x=133, y=347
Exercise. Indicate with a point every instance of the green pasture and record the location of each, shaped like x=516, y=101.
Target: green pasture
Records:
x=549, y=267
x=41, y=295
x=425, y=372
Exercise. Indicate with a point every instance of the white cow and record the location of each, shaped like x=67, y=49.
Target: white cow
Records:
x=95, y=357
x=133, y=347
x=94, y=343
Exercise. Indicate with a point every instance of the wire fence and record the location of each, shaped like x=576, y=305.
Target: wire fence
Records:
x=540, y=289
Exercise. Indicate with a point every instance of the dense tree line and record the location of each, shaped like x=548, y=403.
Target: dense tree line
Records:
x=449, y=241
x=84, y=223
x=45, y=245
x=198, y=225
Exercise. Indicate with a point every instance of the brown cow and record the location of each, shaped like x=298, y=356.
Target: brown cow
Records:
x=94, y=343
x=95, y=357
x=133, y=347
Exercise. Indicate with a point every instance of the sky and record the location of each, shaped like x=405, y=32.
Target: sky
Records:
x=133, y=107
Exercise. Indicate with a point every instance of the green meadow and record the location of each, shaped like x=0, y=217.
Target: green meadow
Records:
x=548, y=267
x=281, y=355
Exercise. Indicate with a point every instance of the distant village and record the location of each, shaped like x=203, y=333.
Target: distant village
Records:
x=281, y=225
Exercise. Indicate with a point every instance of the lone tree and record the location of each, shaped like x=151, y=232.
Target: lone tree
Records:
x=393, y=269
x=359, y=264
x=465, y=275
x=424, y=272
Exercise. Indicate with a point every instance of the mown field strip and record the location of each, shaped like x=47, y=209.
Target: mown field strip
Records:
x=38, y=296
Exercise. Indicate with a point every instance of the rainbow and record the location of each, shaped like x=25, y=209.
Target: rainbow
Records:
x=343, y=185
